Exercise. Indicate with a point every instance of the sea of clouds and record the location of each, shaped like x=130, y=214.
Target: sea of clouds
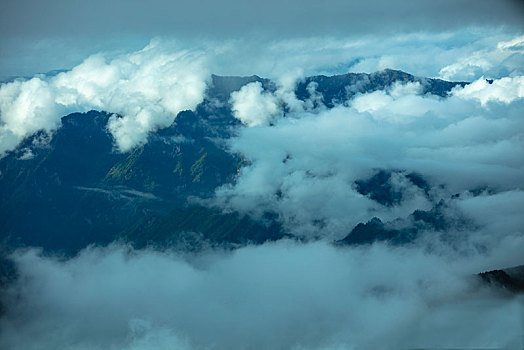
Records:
x=280, y=295
x=302, y=162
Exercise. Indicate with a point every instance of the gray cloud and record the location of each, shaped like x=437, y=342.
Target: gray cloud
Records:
x=280, y=296
x=58, y=34
x=231, y=17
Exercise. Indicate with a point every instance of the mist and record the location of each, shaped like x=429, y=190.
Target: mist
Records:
x=283, y=295
x=304, y=166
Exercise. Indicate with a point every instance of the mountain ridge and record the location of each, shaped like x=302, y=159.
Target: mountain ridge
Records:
x=76, y=178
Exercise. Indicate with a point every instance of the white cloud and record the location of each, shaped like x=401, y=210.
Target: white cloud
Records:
x=150, y=86
x=28, y=154
x=506, y=58
x=253, y=106
x=26, y=107
x=425, y=54
x=303, y=166
x=506, y=90
x=147, y=88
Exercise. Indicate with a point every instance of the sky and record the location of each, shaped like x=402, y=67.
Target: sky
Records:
x=148, y=62
x=38, y=36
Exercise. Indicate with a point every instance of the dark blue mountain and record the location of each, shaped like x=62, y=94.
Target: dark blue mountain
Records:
x=73, y=189
x=339, y=88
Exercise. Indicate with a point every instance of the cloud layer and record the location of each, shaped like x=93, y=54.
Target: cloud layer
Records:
x=280, y=296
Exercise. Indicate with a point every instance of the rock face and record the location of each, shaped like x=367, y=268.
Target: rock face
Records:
x=72, y=189
x=510, y=279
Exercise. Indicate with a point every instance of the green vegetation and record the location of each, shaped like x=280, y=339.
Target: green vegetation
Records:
x=209, y=224
x=123, y=170
x=178, y=169
x=197, y=169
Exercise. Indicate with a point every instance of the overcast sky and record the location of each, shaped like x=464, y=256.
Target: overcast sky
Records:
x=37, y=36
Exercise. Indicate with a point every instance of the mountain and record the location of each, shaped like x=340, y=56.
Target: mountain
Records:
x=405, y=230
x=510, y=279
x=71, y=189
x=195, y=227
x=400, y=231
x=77, y=180
x=338, y=88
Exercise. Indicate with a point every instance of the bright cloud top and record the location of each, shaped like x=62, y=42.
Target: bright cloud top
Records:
x=252, y=106
x=146, y=88
x=502, y=90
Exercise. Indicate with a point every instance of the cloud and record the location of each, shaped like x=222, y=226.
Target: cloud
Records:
x=504, y=90
x=303, y=167
x=252, y=106
x=233, y=17
x=422, y=53
x=504, y=59
x=146, y=88
x=280, y=295
x=495, y=213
